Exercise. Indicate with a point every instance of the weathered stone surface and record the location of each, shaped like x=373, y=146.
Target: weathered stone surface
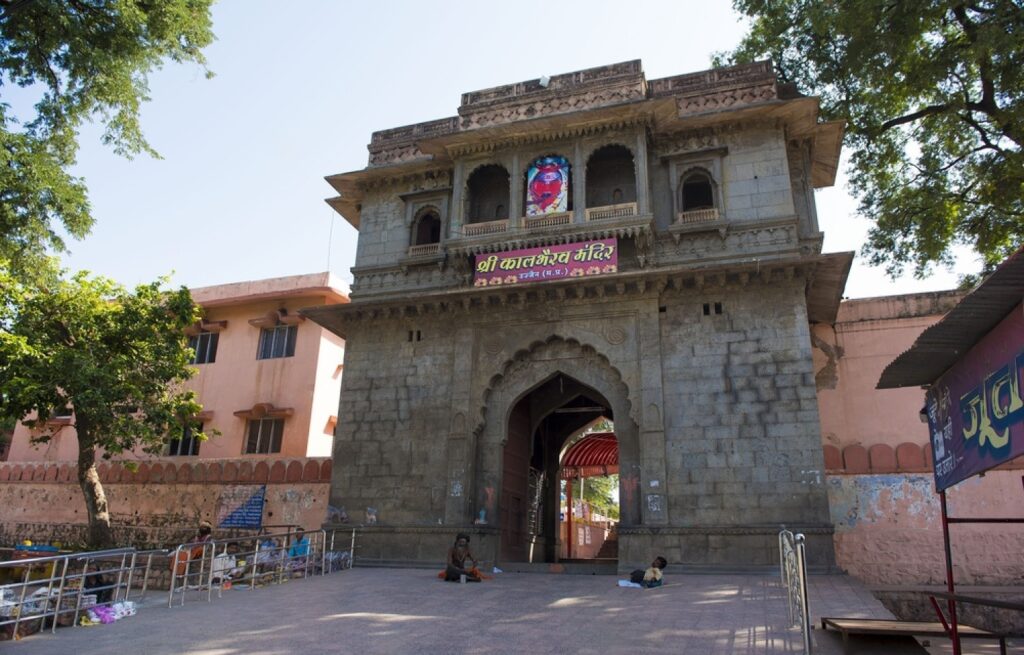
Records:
x=697, y=345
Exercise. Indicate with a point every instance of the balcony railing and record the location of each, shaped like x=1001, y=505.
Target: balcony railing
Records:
x=547, y=220
x=424, y=249
x=697, y=216
x=480, y=229
x=611, y=211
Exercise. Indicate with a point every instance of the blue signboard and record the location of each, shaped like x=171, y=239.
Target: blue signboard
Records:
x=241, y=506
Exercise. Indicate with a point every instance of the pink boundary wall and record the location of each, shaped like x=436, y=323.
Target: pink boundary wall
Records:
x=878, y=459
x=162, y=501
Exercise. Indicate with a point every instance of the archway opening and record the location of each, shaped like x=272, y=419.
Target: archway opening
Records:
x=488, y=191
x=589, y=512
x=551, y=416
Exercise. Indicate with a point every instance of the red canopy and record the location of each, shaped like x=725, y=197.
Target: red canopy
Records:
x=593, y=455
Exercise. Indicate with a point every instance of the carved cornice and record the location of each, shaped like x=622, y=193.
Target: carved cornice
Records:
x=726, y=530
x=635, y=227
x=469, y=299
x=490, y=530
x=547, y=136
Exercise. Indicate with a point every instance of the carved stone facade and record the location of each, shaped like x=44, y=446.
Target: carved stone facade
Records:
x=696, y=346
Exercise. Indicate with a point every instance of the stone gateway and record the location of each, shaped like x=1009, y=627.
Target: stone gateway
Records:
x=596, y=246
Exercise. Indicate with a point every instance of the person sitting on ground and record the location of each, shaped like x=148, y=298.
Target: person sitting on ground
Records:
x=458, y=555
x=652, y=577
x=299, y=549
x=196, y=547
x=204, y=535
x=269, y=555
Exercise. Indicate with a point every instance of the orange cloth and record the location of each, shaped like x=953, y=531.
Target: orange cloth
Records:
x=473, y=571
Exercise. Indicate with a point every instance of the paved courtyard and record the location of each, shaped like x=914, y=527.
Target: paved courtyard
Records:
x=370, y=611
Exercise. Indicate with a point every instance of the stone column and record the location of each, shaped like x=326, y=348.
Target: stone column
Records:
x=579, y=185
x=458, y=209
x=654, y=481
x=461, y=441
x=643, y=190
x=515, y=206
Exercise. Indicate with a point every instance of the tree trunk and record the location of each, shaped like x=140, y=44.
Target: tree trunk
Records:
x=100, y=536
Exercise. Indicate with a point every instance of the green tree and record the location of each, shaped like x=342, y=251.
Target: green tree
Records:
x=932, y=94
x=600, y=491
x=81, y=60
x=117, y=357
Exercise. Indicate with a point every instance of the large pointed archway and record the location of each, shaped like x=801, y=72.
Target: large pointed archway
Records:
x=545, y=395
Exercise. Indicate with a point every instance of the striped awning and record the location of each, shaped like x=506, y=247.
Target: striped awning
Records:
x=593, y=455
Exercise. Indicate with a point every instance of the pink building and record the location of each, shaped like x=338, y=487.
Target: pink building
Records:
x=268, y=379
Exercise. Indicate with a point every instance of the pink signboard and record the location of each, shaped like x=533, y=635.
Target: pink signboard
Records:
x=976, y=409
x=556, y=262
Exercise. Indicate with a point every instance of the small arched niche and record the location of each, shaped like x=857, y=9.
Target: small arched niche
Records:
x=611, y=177
x=697, y=191
x=426, y=228
x=488, y=194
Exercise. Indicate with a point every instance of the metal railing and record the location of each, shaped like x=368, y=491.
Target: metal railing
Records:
x=793, y=570
x=254, y=561
x=59, y=588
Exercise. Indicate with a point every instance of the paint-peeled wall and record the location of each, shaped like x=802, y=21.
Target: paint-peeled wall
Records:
x=878, y=461
x=161, y=503
x=889, y=529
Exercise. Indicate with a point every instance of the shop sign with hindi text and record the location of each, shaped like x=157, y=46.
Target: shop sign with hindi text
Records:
x=976, y=409
x=557, y=262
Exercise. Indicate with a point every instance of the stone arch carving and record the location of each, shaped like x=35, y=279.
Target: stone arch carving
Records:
x=522, y=358
x=522, y=373
x=417, y=236
x=617, y=140
x=533, y=155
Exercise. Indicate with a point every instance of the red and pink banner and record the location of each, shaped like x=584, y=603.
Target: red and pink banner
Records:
x=976, y=409
x=556, y=262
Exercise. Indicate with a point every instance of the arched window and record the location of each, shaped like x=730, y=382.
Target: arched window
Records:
x=426, y=229
x=698, y=191
x=488, y=194
x=611, y=177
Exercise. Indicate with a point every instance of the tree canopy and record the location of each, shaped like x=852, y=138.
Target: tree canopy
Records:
x=117, y=358
x=81, y=60
x=933, y=96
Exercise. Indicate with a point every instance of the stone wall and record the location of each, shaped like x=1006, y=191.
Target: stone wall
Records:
x=716, y=414
x=159, y=504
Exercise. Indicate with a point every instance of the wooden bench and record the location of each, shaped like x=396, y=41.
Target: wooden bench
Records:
x=884, y=627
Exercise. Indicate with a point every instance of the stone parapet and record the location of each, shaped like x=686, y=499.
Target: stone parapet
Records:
x=221, y=471
x=882, y=458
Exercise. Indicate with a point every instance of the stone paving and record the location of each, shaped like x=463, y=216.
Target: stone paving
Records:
x=370, y=611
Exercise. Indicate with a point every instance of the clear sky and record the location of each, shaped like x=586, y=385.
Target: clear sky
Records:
x=300, y=86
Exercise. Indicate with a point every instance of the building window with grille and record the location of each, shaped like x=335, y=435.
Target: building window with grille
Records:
x=277, y=341
x=204, y=347
x=264, y=436
x=188, y=444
